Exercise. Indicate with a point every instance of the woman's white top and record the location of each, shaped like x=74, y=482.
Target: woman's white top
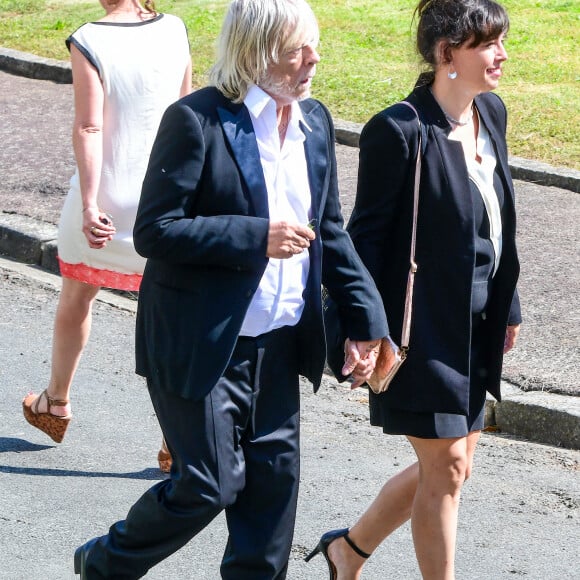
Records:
x=142, y=67
x=481, y=173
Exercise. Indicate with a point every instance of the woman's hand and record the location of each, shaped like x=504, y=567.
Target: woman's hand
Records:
x=98, y=227
x=360, y=357
x=511, y=336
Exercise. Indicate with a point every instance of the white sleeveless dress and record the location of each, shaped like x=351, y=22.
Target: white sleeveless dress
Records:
x=141, y=66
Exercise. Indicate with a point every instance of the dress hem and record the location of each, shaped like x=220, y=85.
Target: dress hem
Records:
x=100, y=277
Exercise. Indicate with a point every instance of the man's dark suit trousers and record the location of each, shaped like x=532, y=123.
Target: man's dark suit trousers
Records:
x=235, y=450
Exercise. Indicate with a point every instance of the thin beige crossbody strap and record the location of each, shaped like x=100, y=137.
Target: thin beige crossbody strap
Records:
x=406, y=332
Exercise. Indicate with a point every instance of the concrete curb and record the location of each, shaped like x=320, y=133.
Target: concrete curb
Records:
x=35, y=67
x=538, y=416
x=347, y=133
x=30, y=241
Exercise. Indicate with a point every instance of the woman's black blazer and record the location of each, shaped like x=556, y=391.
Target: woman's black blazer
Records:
x=435, y=377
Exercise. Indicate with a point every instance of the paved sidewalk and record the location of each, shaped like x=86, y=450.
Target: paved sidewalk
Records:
x=541, y=402
x=519, y=511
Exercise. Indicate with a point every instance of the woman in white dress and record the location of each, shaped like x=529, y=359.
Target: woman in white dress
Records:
x=128, y=67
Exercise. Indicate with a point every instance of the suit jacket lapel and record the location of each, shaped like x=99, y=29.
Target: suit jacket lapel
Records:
x=317, y=159
x=453, y=161
x=492, y=124
x=239, y=132
x=449, y=154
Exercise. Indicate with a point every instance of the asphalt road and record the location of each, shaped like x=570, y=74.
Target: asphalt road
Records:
x=519, y=513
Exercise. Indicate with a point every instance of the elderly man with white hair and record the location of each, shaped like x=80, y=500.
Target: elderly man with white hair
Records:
x=240, y=223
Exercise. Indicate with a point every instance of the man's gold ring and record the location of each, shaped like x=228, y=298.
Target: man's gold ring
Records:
x=93, y=231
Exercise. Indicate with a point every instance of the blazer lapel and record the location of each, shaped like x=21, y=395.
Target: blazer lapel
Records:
x=239, y=132
x=448, y=154
x=453, y=161
x=489, y=118
x=317, y=159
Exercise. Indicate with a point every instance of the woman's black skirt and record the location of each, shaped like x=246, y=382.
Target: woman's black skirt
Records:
x=442, y=425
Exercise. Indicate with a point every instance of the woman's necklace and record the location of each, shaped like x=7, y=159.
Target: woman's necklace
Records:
x=451, y=119
x=457, y=122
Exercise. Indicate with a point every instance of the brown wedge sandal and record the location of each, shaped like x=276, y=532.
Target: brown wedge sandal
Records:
x=164, y=458
x=54, y=426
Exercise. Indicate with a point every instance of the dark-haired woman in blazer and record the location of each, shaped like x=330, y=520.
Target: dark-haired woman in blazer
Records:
x=466, y=312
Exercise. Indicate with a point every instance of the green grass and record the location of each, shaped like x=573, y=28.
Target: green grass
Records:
x=368, y=59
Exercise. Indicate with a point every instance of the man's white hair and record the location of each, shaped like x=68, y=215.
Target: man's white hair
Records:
x=254, y=34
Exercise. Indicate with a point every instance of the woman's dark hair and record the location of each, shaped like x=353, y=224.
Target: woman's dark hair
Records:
x=456, y=22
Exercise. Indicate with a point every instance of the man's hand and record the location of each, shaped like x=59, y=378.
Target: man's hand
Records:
x=511, y=336
x=360, y=357
x=286, y=239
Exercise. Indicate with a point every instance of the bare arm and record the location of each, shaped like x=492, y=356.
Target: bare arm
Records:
x=186, y=85
x=88, y=146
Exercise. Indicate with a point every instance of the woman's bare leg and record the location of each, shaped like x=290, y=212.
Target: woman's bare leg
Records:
x=390, y=509
x=72, y=328
x=444, y=465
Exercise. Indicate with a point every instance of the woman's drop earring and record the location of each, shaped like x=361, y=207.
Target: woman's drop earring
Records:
x=452, y=75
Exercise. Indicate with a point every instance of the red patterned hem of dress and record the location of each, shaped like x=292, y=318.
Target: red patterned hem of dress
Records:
x=98, y=277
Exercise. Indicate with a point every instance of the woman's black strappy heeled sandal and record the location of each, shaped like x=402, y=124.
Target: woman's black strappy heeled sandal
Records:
x=326, y=540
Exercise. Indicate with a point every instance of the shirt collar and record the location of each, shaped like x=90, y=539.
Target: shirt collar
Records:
x=258, y=101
